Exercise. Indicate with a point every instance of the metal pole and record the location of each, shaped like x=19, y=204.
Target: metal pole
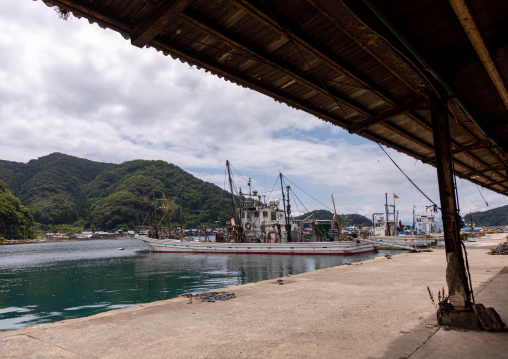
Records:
x=237, y=223
x=458, y=287
x=288, y=233
x=288, y=214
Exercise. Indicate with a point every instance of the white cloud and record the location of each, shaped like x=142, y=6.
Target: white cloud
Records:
x=72, y=87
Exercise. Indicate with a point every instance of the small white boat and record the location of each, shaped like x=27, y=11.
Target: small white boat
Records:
x=387, y=235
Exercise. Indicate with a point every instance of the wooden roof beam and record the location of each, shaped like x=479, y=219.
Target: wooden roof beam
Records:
x=284, y=31
x=343, y=17
x=470, y=147
x=267, y=59
x=419, y=104
x=498, y=182
x=155, y=23
x=240, y=79
x=471, y=28
x=350, y=18
x=347, y=15
x=473, y=146
x=483, y=170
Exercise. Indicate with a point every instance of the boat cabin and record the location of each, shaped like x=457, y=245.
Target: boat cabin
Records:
x=265, y=222
x=426, y=224
x=382, y=226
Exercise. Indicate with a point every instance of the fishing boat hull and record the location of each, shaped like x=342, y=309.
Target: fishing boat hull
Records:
x=291, y=248
x=413, y=241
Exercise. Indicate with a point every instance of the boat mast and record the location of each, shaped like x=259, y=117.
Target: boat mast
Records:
x=237, y=223
x=336, y=219
x=414, y=217
x=288, y=226
x=387, y=225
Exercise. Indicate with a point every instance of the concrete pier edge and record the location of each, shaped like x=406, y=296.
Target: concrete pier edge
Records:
x=375, y=309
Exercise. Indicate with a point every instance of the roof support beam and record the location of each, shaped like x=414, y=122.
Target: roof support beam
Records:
x=483, y=170
x=497, y=183
x=158, y=19
x=284, y=31
x=419, y=104
x=258, y=55
x=470, y=26
x=240, y=79
x=344, y=18
x=473, y=146
x=456, y=278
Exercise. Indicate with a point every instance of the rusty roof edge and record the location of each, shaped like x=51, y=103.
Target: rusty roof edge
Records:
x=85, y=10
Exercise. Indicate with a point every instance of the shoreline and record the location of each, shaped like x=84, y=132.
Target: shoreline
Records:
x=374, y=309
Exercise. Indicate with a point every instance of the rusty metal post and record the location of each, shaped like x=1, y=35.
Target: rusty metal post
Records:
x=458, y=285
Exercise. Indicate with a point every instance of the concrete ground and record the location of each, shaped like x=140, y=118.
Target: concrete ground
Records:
x=375, y=309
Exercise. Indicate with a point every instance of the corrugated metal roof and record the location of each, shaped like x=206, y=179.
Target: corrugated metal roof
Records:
x=366, y=66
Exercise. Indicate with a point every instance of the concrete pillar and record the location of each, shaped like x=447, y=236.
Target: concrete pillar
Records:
x=458, y=285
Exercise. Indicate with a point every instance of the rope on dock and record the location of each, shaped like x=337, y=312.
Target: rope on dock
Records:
x=210, y=296
x=502, y=248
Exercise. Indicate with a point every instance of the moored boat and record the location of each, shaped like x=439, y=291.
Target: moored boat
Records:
x=387, y=235
x=264, y=227
x=288, y=248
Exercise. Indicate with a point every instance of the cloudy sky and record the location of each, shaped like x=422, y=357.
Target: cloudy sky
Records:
x=72, y=87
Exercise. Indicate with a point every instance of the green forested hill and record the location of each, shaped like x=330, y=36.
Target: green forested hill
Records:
x=61, y=189
x=345, y=219
x=493, y=217
x=51, y=186
x=119, y=195
x=15, y=219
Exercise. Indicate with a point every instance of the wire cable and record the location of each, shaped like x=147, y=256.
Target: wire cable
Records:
x=481, y=195
x=307, y=193
x=409, y=179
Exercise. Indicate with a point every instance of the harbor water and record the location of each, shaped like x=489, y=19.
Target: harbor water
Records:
x=53, y=281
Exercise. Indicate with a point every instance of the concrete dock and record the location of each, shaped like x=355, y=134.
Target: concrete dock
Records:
x=375, y=309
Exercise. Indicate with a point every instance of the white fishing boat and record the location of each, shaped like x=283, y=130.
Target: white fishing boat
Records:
x=262, y=227
x=288, y=248
x=387, y=235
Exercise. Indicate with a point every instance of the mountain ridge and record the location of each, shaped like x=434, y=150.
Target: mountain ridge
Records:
x=62, y=189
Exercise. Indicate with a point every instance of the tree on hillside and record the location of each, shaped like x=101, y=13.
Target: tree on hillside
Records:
x=345, y=219
x=15, y=219
x=60, y=189
x=493, y=217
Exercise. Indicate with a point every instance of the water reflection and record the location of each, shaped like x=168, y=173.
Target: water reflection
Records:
x=48, y=282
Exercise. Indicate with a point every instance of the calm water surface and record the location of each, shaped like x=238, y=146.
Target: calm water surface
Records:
x=48, y=282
